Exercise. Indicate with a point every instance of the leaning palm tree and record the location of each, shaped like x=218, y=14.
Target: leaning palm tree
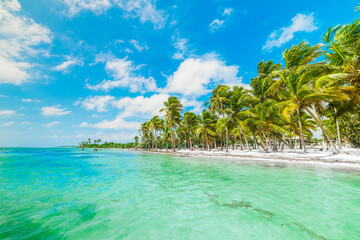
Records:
x=206, y=126
x=263, y=81
x=172, y=110
x=343, y=45
x=265, y=122
x=293, y=84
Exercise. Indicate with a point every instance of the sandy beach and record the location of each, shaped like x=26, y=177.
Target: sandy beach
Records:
x=349, y=158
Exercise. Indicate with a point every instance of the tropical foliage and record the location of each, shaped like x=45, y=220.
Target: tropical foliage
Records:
x=315, y=89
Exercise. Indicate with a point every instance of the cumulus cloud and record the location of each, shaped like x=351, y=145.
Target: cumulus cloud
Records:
x=68, y=64
x=7, y=112
x=51, y=124
x=9, y=123
x=195, y=105
x=124, y=73
x=20, y=37
x=116, y=124
x=196, y=76
x=141, y=106
x=54, y=111
x=299, y=23
x=145, y=10
x=98, y=103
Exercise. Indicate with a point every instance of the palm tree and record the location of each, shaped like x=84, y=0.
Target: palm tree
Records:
x=158, y=124
x=145, y=131
x=172, y=110
x=265, y=122
x=189, y=122
x=263, y=81
x=206, y=126
x=218, y=102
x=295, y=85
x=136, y=139
x=343, y=45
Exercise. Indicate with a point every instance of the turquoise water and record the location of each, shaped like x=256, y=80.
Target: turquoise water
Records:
x=64, y=193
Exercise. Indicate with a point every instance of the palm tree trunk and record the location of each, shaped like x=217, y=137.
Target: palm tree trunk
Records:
x=246, y=141
x=319, y=123
x=301, y=130
x=240, y=140
x=262, y=143
x=227, y=139
x=207, y=141
x=172, y=139
x=190, y=140
x=338, y=130
x=156, y=141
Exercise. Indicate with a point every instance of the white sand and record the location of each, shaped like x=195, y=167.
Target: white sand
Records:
x=348, y=158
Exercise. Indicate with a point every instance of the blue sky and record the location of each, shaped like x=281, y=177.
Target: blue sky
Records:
x=77, y=69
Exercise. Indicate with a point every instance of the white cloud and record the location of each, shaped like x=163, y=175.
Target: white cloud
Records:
x=68, y=63
x=299, y=23
x=227, y=11
x=54, y=111
x=97, y=6
x=181, y=45
x=51, y=124
x=196, y=105
x=197, y=76
x=30, y=100
x=98, y=103
x=2, y=96
x=9, y=123
x=123, y=71
x=7, y=112
x=20, y=36
x=117, y=124
x=143, y=107
x=137, y=45
x=216, y=24
x=145, y=10
x=25, y=123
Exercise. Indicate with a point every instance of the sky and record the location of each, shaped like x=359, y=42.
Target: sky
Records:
x=77, y=69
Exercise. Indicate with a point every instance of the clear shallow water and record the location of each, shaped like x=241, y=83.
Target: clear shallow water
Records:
x=69, y=194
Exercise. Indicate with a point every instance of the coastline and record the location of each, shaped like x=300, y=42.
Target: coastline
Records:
x=327, y=160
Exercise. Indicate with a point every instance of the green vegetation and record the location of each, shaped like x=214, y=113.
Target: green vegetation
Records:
x=316, y=88
x=96, y=144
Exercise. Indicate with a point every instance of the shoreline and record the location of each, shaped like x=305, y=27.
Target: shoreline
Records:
x=338, y=161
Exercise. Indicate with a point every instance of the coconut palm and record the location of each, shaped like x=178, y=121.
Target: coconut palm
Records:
x=172, y=110
x=265, y=122
x=293, y=81
x=189, y=122
x=218, y=102
x=206, y=126
x=263, y=81
x=156, y=124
